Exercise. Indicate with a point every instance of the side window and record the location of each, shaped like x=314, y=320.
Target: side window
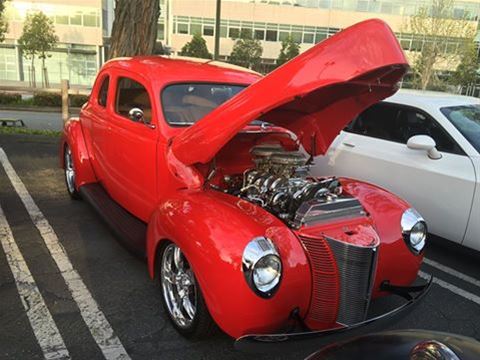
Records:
x=131, y=94
x=398, y=124
x=378, y=121
x=413, y=122
x=102, y=93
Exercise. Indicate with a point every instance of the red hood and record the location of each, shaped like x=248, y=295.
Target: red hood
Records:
x=314, y=95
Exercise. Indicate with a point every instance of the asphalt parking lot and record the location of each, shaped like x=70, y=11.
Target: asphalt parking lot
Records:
x=89, y=298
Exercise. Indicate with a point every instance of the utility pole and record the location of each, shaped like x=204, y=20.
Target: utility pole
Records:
x=217, y=30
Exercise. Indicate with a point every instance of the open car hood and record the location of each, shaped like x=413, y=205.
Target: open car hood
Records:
x=315, y=95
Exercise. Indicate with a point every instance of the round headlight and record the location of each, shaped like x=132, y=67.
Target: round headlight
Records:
x=262, y=266
x=414, y=230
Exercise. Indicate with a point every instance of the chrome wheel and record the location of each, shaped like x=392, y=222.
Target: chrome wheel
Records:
x=179, y=287
x=69, y=171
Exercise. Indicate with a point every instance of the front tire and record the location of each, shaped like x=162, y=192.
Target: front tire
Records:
x=70, y=174
x=181, y=295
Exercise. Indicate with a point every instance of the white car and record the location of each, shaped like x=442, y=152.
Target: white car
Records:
x=424, y=147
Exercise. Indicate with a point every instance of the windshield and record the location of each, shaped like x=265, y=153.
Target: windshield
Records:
x=466, y=119
x=185, y=104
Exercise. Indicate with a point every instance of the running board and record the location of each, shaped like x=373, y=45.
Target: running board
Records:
x=128, y=229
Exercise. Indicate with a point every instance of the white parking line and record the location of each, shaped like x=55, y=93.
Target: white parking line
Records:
x=452, y=272
x=455, y=289
x=93, y=317
x=41, y=321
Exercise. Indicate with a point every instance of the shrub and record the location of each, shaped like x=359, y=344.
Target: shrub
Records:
x=47, y=99
x=10, y=98
x=78, y=100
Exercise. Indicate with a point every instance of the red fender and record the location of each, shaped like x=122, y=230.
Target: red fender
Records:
x=212, y=229
x=395, y=263
x=73, y=136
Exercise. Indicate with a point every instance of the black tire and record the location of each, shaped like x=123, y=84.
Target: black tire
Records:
x=202, y=325
x=69, y=173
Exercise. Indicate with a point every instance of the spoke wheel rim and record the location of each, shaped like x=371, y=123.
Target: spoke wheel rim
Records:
x=179, y=286
x=69, y=171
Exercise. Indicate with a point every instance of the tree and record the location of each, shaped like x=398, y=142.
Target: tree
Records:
x=434, y=24
x=134, y=30
x=289, y=50
x=38, y=38
x=247, y=51
x=197, y=47
x=3, y=21
x=467, y=71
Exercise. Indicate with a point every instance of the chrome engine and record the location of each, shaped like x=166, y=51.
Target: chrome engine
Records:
x=280, y=183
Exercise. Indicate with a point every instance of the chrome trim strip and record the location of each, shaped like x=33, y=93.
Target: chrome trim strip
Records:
x=275, y=343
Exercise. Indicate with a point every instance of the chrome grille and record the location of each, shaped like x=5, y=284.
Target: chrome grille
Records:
x=356, y=267
x=325, y=287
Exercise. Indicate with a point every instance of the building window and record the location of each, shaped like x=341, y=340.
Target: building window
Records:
x=259, y=34
x=208, y=30
x=362, y=5
x=271, y=35
x=195, y=29
x=76, y=19
x=283, y=35
x=161, y=32
x=61, y=19
x=308, y=38
x=182, y=28
x=223, y=31
x=234, y=33
x=320, y=37
x=325, y=4
x=90, y=20
x=297, y=37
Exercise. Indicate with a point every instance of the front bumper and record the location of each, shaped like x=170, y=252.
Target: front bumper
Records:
x=290, y=341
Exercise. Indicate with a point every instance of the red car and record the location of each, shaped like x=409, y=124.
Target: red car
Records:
x=203, y=168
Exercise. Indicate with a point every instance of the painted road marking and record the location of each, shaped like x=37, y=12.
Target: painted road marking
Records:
x=43, y=326
x=93, y=317
x=452, y=272
x=455, y=289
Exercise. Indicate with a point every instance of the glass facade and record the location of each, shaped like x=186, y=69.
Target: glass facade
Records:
x=80, y=67
x=279, y=32
x=8, y=63
x=260, y=30
x=60, y=14
x=462, y=9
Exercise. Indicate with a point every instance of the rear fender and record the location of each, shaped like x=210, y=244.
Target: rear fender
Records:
x=73, y=137
x=212, y=229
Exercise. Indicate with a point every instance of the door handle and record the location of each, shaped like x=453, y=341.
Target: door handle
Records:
x=348, y=144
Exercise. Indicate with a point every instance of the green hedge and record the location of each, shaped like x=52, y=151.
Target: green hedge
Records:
x=47, y=99
x=78, y=100
x=41, y=99
x=10, y=98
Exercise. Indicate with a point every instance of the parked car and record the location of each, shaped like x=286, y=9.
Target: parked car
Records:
x=403, y=345
x=424, y=147
x=196, y=166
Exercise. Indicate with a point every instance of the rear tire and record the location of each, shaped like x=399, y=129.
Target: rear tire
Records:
x=182, y=298
x=70, y=174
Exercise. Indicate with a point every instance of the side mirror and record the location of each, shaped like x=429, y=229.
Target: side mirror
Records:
x=426, y=143
x=136, y=114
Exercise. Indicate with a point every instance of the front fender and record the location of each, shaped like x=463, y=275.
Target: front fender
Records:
x=396, y=263
x=212, y=230
x=73, y=136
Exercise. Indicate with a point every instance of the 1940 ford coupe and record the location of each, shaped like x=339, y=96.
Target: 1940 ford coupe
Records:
x=203, y=168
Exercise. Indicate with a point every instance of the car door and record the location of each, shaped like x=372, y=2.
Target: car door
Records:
x=95, y=124
x=373, y=148
x=131, y=151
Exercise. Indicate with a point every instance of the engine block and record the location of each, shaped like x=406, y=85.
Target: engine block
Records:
x=280, y=183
